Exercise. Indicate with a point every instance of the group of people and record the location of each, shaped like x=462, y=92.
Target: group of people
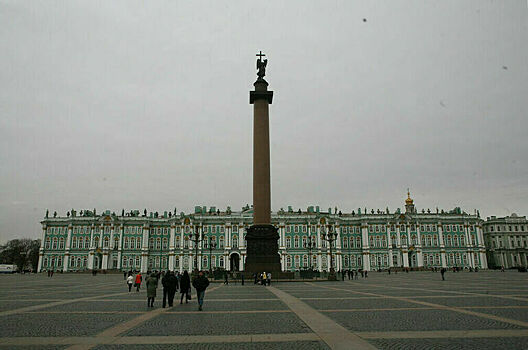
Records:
x=171, y=283
x=353, y=274
x=262, y=278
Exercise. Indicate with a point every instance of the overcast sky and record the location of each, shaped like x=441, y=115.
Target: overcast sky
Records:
x=111, y=105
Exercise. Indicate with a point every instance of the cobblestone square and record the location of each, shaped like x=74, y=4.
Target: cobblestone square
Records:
x=416, y=310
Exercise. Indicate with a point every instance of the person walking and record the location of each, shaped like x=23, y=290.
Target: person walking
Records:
x=255, y=276
x=242, y=278
x=172, y=286
x=226, y=281
x=152, y=286
x=185, y=285
x=268, y=277
x=442, y=271
x=138, y=281
x=130, y=282
x=165, y=285
x=125, y=275
x=264, y=279
x=200, y=283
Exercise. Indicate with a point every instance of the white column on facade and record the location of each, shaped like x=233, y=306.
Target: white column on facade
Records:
x=282, y=244
x=482, y=248
x=172, y=238
x=66, y=261
x=145, y=249
x=41, y=249
x=467, y=238
x=398, y=244
x=389, y=242
x=442, y=246
x=419, y=253
x=120, y=246
x=365, y=247
x=228, y=239
x=91, y=252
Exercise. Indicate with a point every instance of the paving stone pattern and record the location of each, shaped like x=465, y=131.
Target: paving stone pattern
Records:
x=417, y=310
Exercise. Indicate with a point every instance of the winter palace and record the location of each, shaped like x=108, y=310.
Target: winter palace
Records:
x=211, y=238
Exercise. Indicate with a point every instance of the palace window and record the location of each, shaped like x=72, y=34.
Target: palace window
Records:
x=297, y=261
x=125, y=243
x=138, y=261
x=74, y=243
x=384, y=242
x=394, y=240
x=358, y=242
x=151, y=243
x=345, y=242
x=177, y=242
x=288, y=261
x=106, y=242
x=455, y=240
x=288, y=242
x=165, y=243
x=235, y=241
x=305, y=261
x=371, y=241
x=221, y=244
x=221, y=261
x=158, y=243
x=296, y=241
x=47, y=244
x=116, y=241
x=378, y=242
x=414, y=240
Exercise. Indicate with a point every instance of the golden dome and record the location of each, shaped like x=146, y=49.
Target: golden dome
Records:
x=409, y=200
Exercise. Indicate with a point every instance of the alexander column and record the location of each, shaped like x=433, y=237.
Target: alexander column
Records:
x=262, y=236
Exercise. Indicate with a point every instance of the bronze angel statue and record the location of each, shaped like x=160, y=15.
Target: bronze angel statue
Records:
x=261, y=66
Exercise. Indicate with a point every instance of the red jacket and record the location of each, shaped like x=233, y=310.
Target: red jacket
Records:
x=138, y=278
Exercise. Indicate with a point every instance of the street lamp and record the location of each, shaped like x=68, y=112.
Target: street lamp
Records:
x=330, y=237
x=196, y=237
x=211, y=246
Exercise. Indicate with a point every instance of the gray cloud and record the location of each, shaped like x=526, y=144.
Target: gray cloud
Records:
x=132, y=105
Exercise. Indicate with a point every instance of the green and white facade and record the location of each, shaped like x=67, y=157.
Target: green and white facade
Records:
x=507, y=241
x=367, y=241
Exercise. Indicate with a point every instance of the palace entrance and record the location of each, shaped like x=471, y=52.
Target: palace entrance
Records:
x=235, y=262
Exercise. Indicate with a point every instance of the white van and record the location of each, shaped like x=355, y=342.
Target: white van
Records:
x=5, y=268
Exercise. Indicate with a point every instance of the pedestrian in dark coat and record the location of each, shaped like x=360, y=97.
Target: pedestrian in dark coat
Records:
x=152, y=285
x=200, y=283
x=442, y=271
x=185, y=286
x=172, y=286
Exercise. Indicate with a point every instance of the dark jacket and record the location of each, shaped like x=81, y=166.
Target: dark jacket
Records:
x=170, y=282
x=200, y=283
x=185, y=283
x=152, y=285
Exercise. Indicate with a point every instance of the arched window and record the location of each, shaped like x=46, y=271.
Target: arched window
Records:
x=455, y=240
x=346, y=261
x=305, y=241
x=404, y=239
x=371, y=241
x=221, y=244
x=86, y=243
x=305, y=261
x=296, y=241
x=384, y=242
x=165, y=243
x=138, y=243
x=462, y=241
x=186, y=242
x=288, y=242
x=177, y=242
x=378, y=244
x=235, y=241
x=125, y=243
x=125, y=262
x=79, y=262
x=151, y=243
x=345, y=242
x=47, y=245
x=74, y=243
x=96, y=242
x=116, y=242
x=297, y=261
x=138, y=261
x=205, y=262
x=106, y=242
x=358, y=242
x=288, y=261
x=221, y=260
x=449, y=242
x=414, y=240
x=158, y=244
x=54, y=242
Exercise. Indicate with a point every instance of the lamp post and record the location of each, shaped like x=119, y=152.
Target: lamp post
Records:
x=330, y=237
x=197, y=237
x=211, y=246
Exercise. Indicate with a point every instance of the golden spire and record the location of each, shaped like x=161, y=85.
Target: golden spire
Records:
x=409, y=200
